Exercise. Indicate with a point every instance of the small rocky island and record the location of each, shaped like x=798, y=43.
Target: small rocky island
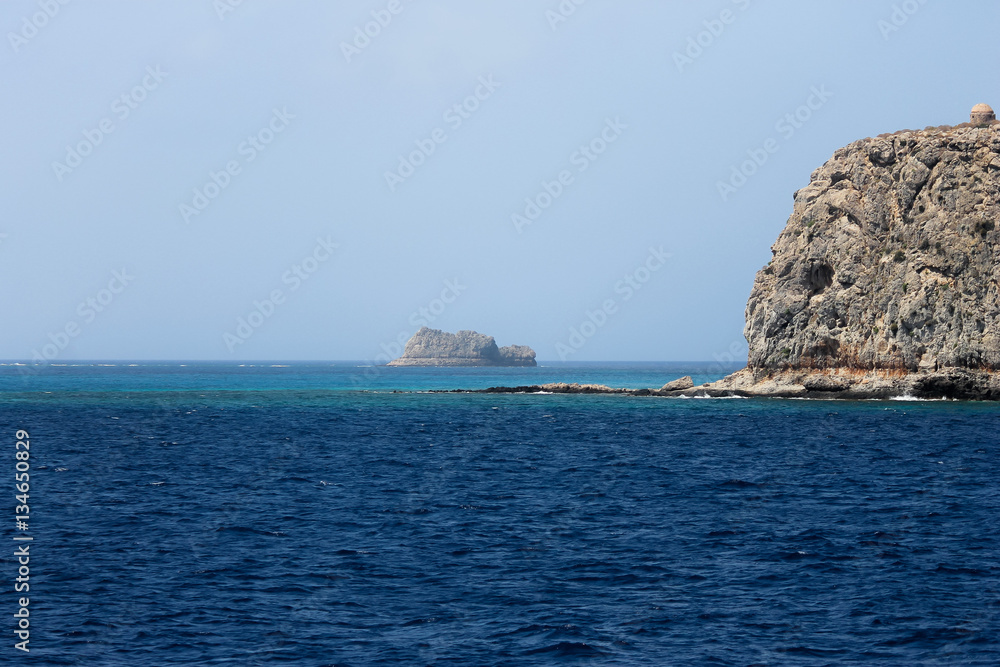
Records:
x=433, y=347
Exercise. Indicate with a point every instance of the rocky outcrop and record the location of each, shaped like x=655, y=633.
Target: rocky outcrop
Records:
x=517, y=355
x=433, y=347
x=884, y=279
x=553, y=388
x=956, y=383
x=674, y=388
x=679, y=384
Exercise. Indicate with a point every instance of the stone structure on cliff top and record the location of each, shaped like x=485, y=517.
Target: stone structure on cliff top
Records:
x=982, y=113
x=433, y=347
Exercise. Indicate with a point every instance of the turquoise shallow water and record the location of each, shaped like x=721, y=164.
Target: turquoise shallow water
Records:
x=286, y=514
x=337, y=376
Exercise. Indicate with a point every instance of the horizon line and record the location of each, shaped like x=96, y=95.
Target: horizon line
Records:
x=61, y=362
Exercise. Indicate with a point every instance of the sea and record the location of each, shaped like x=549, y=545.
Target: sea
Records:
x=340, y=513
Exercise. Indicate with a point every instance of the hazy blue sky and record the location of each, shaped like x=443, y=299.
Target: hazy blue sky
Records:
x=103, y=233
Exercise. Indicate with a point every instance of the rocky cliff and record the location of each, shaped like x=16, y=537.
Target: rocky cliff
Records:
x=433, y=347
x=884, y=279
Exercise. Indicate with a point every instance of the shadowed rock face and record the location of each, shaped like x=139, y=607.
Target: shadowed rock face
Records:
x=433, y=347
x=889, y=261
x=517, y=355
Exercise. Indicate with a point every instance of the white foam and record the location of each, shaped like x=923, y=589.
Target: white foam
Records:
x=721, y=398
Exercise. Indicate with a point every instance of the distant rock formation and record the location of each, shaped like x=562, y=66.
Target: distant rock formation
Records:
x=517, y=355
x=884, y=280
x=433, y=347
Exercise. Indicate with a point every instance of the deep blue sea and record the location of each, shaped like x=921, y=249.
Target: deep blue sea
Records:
x=336, y=514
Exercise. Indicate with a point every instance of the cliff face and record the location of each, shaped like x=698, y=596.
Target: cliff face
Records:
x=887, y=268
x=889, y=259
x=433, y=347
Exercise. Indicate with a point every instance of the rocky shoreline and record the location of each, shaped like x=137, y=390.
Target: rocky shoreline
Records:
x=945, y=383
x=950, y=383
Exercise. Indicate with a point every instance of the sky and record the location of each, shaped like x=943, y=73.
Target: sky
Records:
x=307, y=180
